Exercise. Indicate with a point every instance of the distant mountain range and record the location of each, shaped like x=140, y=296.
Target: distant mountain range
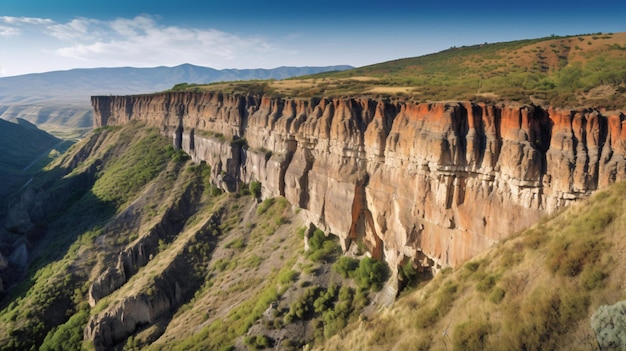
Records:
x=60, y=100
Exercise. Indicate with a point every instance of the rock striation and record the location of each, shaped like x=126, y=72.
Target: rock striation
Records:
x=436, y=183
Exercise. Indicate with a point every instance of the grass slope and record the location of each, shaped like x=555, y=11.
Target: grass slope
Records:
x=25, y=149
x=535, y=291
x=242, y=277
x=581, y=70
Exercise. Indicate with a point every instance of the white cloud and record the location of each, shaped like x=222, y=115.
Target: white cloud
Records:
x=13, y=26
x=25, y=20
x=8, y=32
x=141, y=41
x=80, y=29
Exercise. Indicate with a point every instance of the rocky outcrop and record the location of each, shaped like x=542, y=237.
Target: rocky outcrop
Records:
x=123, y=318
x=437, y=183
x=137, y=254
x=147, y=299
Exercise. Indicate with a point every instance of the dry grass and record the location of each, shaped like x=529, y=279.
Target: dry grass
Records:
x=390, y=90
x=223, y=291
x=559, y=71
x=544, y=305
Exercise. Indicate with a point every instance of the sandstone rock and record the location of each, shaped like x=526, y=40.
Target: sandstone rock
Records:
x=107, y=329
x=110, y=280
x=438, y=183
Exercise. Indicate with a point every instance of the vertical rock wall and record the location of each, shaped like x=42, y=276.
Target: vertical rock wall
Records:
x=438, y=183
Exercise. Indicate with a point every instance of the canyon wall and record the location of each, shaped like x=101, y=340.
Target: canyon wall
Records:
x=436, y=183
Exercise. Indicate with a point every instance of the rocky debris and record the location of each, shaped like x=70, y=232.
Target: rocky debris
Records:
x=443, y=181
x=609, y=325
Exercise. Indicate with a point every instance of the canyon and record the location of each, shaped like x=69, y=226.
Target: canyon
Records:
x=431, y=183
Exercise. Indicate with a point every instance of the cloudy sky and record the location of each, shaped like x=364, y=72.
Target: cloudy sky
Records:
x=46, y=35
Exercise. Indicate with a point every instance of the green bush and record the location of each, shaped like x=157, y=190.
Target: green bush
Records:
x=322, y=247
x=371, y=274
x=542, y=317
x=264, y=206
x=255, y=189
x=443, y=303
x=67, y=336
x=408, y=275
x=346, y=266
x=288, y=277
x=259, y=342
x=317, y=240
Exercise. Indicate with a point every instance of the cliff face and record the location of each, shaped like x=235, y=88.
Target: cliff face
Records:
x=436, y=183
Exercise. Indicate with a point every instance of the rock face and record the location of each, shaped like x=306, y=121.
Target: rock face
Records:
x=123, y=318
x=436, y=183
x=140, y=252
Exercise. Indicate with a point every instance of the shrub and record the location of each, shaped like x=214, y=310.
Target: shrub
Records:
x=497, y=295
x=542, y=317
x=67, y=336
x=371, y=274
x=322, y=247
x=472, y=266
x=264, y=206
x=569, y=258
x=470, y=335
x=346, y=266
x=255, y=189
x=215, y=191
x=288, y=277
x=259, y=341
x=408, y=275
x=317, y=240
x=487, y=283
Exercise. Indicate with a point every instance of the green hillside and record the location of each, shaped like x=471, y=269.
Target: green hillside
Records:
x=580, y=70
x=24, y=149
x=245, y=282
x=129, y=246
x=21, y=143
x=231, y=257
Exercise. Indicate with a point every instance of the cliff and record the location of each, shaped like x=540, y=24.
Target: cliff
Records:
x=435, y=183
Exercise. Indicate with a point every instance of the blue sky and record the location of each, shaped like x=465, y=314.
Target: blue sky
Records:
x=46, y=35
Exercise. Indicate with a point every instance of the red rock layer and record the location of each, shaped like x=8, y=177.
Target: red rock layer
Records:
x=438, y=183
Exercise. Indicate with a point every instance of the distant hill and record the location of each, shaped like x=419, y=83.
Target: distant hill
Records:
x=60, y=100
x=574, y=71
x=21, y=145
x=578, y=70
